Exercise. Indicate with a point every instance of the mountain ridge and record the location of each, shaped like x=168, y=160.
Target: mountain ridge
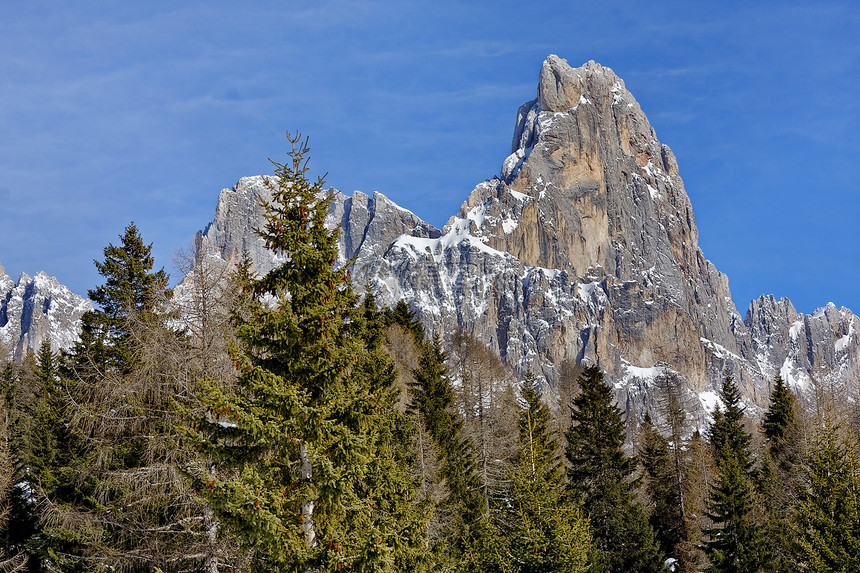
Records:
x=583, y=249
x=34, y=309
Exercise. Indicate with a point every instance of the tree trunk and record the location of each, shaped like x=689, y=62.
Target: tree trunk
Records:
x=210, y=564
x=308, y=505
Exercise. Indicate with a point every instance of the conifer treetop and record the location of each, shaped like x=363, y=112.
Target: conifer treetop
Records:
x=296, y=213
x=728, y=436
x=129, y=284
x=782, y=410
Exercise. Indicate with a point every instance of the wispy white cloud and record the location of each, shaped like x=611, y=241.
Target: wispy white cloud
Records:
x=491, y=49
x=662, y=73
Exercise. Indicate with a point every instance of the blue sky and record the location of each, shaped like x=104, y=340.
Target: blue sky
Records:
x=112, y=112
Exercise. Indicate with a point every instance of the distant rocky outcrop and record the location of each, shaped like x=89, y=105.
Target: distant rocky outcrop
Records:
x=368, y=223
x=37, y=309
x=583, y=249
x=819, y=349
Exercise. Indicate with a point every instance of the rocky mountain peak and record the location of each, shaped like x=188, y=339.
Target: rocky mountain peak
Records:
x=589, y=186
x=6, y=283
x=767, y=309
x=561, y=87
x=583, y=250
x=368, y=225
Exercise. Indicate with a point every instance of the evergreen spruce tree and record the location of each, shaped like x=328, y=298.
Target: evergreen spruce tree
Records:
x=112, y=497
x=58, y=476
x=24, y=393
x=130, y=288
x=782, y=413
x=662, y=488
x=728, y=437
x=52, y=417
x=542, y=532
x=461, y=536
x=784, y=437
x=404, y=317
x=310, y=471
x=779, y=473
x=600, y=475
x=391, y=488
x=828, y=514
x=12, y=555
x=735, y=542
x=467, y=540
x=49, y=451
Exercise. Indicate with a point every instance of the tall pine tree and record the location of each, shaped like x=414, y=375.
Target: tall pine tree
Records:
x=781, y=414
x=113, y=498
x=784, y=437
x=57, y=475
x=601, y=475
x=542, y=532
x=466, y=540
x=735, y=542
x=309, y=467
x=828, y=513
x=130, y=288
x=662, y=488
x=779, y=473
x=51, y=445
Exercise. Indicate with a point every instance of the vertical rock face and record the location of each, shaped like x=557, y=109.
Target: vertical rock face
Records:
x=368, y=224
x=584, y=248
x=821, y=348
x=37, y=309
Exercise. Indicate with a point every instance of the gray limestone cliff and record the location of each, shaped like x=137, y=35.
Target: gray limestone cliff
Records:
x=808, y=350
x=36, y=309
x=368, y=223
x=583, y=249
